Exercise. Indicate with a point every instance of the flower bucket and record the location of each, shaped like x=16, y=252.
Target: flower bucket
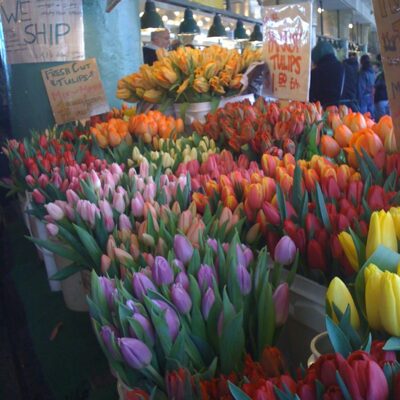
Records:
x=193, y=111
x=23, y=204
x=32, y=222
x=306, y=318
x=73, y=288
x=236, y=99
x=319, y=345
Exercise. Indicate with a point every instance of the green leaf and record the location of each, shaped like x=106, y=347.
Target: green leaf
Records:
x=322, y=208
x=376, y=173
x=214, y=104
x=297, y=193
x=266, y=318
x=67, y=272
x=338, y=339
x=360, y=247
x=281, y=202
x=390, y=183
x=343, y=388
x=237, y=393
x=90, y=244
x=393, y=344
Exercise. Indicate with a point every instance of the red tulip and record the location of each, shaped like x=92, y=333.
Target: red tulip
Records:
x=255, y=195
x=376, y=198
x=175, y=383
x=312, y=224
x=336, y=247
x=342, y=223
x=306, y=390
x=297, y=234
x=269, y=164
x=381, y=356
x=354, y=192
x=333, y=392
x=316, y=256
x=272, y=239
x=271, y=214
x=396, y=386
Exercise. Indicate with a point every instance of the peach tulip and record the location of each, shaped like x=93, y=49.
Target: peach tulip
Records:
x=329, y=146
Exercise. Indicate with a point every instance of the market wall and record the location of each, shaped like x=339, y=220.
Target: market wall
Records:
x=112, y=38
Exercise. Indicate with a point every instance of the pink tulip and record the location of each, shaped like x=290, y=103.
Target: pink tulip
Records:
x=94, y=178
x=118, y=202
x=38, y=197
x=144, y=168
x=124, y=223
x=52, y=229
x=105, y=263
x=43, y=180
x=111, y=245
x=30, y=180
x=150, y=191
x=109, y=180
x=123, y=257
x=105, y=209
x=281, y=304
x=185, y=221
x=55, y=211
x=137, y=205
x=56, y=180
x=116, y=169
x=140, y=185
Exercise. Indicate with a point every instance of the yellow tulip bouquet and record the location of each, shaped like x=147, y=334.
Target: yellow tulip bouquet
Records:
x=374, y=305
x=188, y=75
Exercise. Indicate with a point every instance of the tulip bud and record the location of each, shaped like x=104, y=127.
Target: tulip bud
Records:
x=183, y=280
x=349, y=249
x=136, y=354
x=205, y=277
x=52, y=229
x=119, y=202
x=183, y=249
x=124, y=223
x=244, y=279
x=171, y=318
x=72, y=197
x=213, y=244
x=108, y=287
x=207, y=302
x=181, y=298
x=141, y=284
x=108, y=336
x=339, y=295
x=148, y=240
x=94, y=178
x=110, y=247
x=185, y=221
x=145, y=324
x=55, y=211
x=390, y=303
x=395, y=213
x=105, y=263
x=285, y=251
x=373, y=276
x=281, y=304
x=162, y=272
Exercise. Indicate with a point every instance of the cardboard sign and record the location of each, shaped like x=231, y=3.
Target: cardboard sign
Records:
x=39, y=31
x=287, y=48
x=387, y=14
x=75, y=91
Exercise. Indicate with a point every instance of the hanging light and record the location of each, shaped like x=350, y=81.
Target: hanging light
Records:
x=217, y=29
x=256, y=35
x=188, y=26
x=240, y=33
x=151, y=20
x=351, y=26
x=320, y=8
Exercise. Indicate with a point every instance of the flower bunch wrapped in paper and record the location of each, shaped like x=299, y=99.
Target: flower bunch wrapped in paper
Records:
x=189, y=75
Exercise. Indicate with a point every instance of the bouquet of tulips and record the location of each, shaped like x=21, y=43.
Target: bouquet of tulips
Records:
x=189, y=75
x=189, y=309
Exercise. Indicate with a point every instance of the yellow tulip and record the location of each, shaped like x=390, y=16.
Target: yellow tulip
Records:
x=236, y=82
x=349, y=249
x=183, y=86
x=216, y=85
x=339, y=295
x=390, y=303
x=201, y=85
x=152, y=96
x=395, y=213
x=373, y=276
x=210, y=70
x=381, y=232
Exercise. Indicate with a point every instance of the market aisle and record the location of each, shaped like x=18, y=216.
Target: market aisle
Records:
x=69, y=367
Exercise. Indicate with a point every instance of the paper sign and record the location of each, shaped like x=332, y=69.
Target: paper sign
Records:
x=75, y=91
x=387, y=14
x=42, y=30
x=287, y=48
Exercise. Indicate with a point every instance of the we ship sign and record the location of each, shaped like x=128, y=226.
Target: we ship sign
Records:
x=287, y=48
x=42, y=30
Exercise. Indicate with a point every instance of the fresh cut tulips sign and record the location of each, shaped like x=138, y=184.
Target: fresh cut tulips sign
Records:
x=287, y=49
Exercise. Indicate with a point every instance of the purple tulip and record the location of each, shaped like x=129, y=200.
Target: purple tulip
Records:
x=178, y=264
x=281, y=303
x=171, y=318
x=207, y=302
x=141, y=284
x=131, y=305
x=248, y=255
x=124, y=223
x=108, y=336
x=137, y=205
x=205, y=277
x=285, y=251
x=145, y=324
x=181, y=298
x=108, y=287
x=183, y=249
x=241, y=259
x=135, y=352
x=162, y=272
x=213, y=244
x=105, y=209
x=183, y=279
x=244, y=279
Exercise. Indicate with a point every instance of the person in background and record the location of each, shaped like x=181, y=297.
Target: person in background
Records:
x=327, y=78
x=159, y=39
x=366, y=81
x=349, y=95
x=380, y=97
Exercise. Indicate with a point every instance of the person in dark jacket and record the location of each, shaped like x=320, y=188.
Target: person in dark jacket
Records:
x=159, y=39
x=366, y=81
x=380, y=96
x=350, y=90
x=327, y=78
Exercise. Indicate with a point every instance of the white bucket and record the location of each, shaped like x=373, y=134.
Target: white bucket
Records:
x=194, y=111
x=23, y=204
x=73, y=289
x=306, y=318
x=320, y=345
x=235, y=99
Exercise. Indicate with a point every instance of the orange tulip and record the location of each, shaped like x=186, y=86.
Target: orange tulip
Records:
x=269, y=187
x=329, y=146
x=384, y=127
x=343, y=174
x=255, y=195
x=357, y=122
x=342, y=135
x=286, y=183
x=335, y=121
x=269, y=164
x=310, y=178
x=201, y=200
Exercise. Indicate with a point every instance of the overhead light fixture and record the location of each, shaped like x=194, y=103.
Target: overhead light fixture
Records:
x=188, y=26
x=164, y=18
x=256, y=35
x=200, y=23
x=151, y=20
x=240, y=33
x=351, y=26
x=217, y=29
x=320, y=10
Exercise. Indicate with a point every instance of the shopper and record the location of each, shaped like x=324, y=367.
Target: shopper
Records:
x=366, y=81
x=159, y=39
x=327, y=78
x=350, y=90
x=380, y=97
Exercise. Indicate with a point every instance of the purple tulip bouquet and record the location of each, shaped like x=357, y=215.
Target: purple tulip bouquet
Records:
x=199, y=308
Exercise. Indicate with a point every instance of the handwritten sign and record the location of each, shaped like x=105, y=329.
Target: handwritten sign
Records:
x=287, y=48
x=42, y=30
x=75, y=91
x=387, y=14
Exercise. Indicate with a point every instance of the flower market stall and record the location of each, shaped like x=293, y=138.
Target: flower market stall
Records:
x=208, y=249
